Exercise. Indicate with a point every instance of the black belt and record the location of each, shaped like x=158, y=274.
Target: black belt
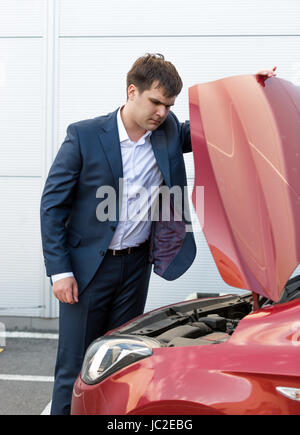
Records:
x=127, y=251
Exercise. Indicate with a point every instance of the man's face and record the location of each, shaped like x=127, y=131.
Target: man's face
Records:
x=151, y=107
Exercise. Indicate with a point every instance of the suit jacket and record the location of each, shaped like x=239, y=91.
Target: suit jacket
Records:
x=90, y=156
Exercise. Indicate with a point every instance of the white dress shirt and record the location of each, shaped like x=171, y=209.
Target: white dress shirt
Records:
x=141, y=180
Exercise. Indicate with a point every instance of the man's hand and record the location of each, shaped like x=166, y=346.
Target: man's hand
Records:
x=66, y=290
x=266, y=73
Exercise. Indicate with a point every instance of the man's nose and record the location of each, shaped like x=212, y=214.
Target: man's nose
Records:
x=161, y=111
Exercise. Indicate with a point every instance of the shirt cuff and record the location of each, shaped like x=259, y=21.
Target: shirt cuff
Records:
x=61, y=276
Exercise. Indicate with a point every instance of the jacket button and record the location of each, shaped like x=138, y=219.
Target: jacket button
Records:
x=102, y=253
x=113, y=228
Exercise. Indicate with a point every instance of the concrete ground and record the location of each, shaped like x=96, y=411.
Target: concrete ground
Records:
x=27, y=363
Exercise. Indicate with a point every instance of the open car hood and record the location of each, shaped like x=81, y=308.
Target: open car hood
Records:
x=246, y=143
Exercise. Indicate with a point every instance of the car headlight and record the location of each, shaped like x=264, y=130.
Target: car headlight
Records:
x=108, y=354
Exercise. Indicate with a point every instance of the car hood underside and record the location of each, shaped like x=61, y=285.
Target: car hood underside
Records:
x=245, y=136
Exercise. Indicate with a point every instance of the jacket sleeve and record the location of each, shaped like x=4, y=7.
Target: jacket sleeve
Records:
x=184, y=134
x=56, y=204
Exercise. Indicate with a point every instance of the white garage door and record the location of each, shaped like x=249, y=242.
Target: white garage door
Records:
x=63, y=61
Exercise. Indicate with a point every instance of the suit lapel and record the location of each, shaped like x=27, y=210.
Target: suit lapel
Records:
x=160, y=149
x=109, y=139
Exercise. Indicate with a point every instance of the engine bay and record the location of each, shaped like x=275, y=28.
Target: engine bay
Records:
x=193, y=323
x=203, y=321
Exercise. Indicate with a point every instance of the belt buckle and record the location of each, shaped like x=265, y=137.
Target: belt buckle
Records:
x=116, y=253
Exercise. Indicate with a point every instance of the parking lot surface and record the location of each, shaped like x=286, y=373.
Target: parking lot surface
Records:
x=27, y=364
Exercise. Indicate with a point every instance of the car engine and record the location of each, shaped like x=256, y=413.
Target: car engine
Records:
x=193, y=323
x=203, y=321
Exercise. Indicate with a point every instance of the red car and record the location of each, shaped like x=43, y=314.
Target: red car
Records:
x=232, y=354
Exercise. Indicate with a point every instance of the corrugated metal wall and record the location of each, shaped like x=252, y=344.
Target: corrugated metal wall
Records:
x=66, y=60
x=22, y=148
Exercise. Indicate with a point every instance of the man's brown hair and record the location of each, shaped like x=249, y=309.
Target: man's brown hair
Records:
x=153, y=67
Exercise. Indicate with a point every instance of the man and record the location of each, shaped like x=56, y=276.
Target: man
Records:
x=100, y=268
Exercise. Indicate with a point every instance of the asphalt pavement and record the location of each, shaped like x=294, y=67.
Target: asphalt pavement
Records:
x=27, y=362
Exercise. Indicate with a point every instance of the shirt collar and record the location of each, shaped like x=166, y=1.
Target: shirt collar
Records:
x=123, y=135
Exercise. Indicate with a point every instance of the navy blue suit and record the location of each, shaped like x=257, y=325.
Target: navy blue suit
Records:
x=75, y=240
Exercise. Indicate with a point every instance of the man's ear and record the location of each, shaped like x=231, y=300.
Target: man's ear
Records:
x=131, y=92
